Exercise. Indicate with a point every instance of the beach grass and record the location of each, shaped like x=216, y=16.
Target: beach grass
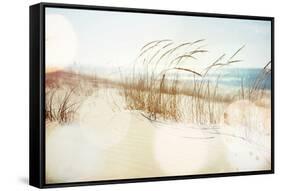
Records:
x=154, y=87
x=148, y=89
x=65, y=92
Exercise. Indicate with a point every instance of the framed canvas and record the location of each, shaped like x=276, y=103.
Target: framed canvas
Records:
x=122, y=95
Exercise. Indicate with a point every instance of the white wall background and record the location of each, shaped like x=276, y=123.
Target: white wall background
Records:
x=14, y=39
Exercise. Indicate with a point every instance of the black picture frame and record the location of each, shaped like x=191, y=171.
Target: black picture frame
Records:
x=37, y=94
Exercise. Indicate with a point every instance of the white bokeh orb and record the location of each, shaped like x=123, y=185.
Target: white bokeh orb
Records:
x=61, y=41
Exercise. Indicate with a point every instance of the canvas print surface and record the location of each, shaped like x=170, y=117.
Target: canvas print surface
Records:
x=133, y=95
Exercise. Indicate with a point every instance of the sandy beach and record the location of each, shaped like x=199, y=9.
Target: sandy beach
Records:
x=107, y=141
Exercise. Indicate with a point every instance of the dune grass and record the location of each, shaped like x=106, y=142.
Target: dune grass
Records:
x=65, y=95
x=148, y=90
x=206, y=102
x=60, y=108
x=154, y=87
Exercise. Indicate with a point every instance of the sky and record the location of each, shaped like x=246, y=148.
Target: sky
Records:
x=103, y=39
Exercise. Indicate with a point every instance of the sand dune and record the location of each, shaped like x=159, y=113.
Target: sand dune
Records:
x=114, y=143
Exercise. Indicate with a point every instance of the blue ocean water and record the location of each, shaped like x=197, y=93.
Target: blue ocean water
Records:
x=234, y=77
x=231, y=77
x=247, y=76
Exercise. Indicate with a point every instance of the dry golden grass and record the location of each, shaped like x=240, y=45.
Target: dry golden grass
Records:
x=155, y=102
x=155, y=88
x=60, y=108
x=65, y=91
x=148, y=89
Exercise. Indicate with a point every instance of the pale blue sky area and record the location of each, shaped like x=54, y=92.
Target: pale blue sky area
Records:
x=107, y=39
